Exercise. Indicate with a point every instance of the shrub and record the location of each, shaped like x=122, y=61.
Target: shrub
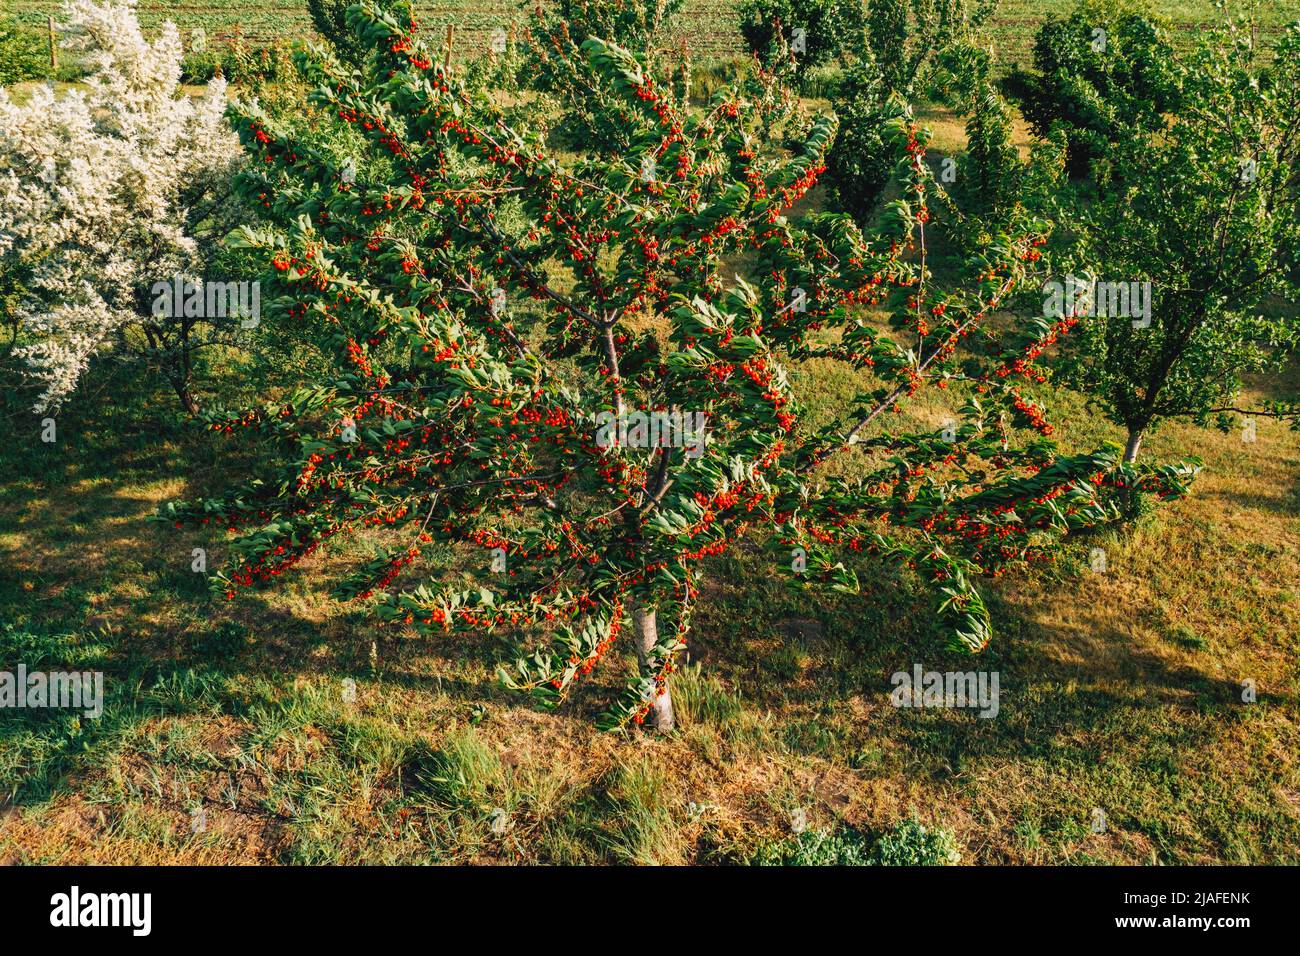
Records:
x=263, y=66
x=23, y=54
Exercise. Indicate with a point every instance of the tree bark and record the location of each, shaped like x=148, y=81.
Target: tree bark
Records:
x=1134, y=443
x=646, y=635
x=186, y=397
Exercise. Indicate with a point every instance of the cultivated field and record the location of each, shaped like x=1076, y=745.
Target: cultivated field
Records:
x=710, y=24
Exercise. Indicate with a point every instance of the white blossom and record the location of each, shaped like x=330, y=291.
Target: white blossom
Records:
x=101, y=188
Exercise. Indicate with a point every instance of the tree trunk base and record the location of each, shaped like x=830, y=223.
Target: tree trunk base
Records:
x=1134, y=444
x=646, y=634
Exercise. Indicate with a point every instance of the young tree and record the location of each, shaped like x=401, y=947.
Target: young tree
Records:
x=801, y=34
x=107, y=190
x=907, y=38
x=904, y=46
x=1205, y=211
x=1101, y=76
x=641, y=420
x=989, y=182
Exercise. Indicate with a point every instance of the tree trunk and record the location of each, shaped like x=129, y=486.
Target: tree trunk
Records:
x=1134, y=443
x=181, y=386
x=646, y=635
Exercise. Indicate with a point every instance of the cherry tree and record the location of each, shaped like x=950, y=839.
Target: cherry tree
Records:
x=1205, y=213
x=578, y=367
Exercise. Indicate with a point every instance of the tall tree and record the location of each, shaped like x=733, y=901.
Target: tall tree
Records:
x=1101, y=76
x=903, y=49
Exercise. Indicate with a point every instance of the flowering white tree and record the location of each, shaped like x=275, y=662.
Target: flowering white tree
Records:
x=106, y=190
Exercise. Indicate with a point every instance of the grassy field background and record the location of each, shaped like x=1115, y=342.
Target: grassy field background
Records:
x=709, y=25
x=1119, y=691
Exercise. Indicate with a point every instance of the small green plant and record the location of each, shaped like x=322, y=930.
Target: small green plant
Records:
x=1189, y=638
x=867, y=758
x=911, y=843
x=907, y=843
x=647, y=834
x=846, y=847
x=463, y=772
x=1029, y=833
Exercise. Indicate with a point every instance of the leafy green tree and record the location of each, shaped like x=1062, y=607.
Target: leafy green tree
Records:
x=23, y=55
x=989, y=182
x=1101, y=75
x=330, y=18
x=1205, y=209
x=907, y=38
x=862, y=158
x=801, y=34
x=905, y=47
x=632, y=24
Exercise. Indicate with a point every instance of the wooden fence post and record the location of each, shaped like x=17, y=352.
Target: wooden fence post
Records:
x=446, y=57
x=54, y=48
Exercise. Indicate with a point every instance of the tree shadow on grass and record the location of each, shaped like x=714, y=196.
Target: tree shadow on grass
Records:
x=1057, y=682
x=85, y=571
x=84, y=560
